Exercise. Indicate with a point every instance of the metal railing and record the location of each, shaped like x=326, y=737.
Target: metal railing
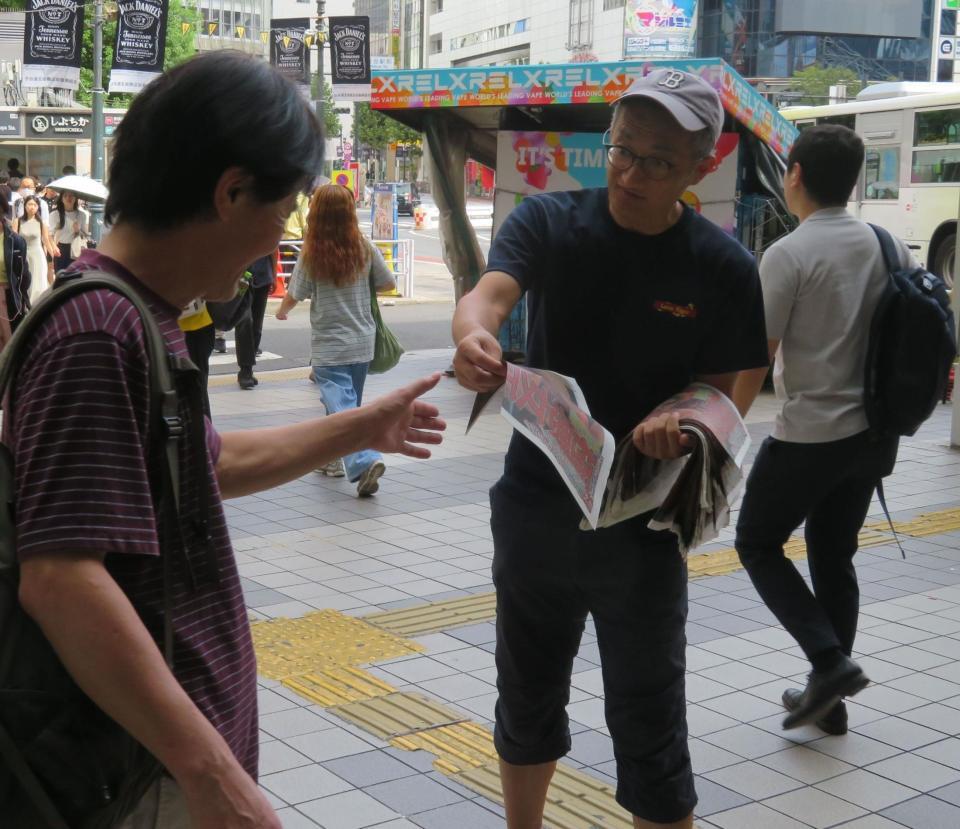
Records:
x=397, y=254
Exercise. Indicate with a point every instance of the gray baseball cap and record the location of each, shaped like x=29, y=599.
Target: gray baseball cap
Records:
x=688, y=98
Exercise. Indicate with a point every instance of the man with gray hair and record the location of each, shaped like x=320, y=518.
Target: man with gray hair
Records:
x=611, y=265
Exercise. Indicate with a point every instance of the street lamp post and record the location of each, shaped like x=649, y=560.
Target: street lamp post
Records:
x=321, y=10
x=96, y=141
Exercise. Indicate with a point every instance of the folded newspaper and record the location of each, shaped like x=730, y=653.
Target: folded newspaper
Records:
x=691, y=496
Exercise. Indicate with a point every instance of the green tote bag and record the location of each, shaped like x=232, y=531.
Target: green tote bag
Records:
x=386, y=349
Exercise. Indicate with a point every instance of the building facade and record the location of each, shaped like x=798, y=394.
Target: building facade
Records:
x=762, y=38
x=878, y=39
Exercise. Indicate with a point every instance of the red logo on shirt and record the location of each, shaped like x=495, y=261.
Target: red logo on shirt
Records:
x=688, y=311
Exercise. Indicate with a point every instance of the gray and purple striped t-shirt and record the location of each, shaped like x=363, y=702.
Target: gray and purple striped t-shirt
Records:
x=80, y=434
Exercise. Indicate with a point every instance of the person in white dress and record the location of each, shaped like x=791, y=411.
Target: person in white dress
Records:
x=39, y=245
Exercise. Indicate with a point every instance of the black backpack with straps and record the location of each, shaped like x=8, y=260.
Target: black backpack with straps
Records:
x=64, y=764
x=911, y=347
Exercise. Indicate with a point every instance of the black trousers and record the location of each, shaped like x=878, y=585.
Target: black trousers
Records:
x=549, y=575
x=828, y=485
x=250, y=328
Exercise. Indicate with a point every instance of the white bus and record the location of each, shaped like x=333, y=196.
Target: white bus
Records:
x=911, y=178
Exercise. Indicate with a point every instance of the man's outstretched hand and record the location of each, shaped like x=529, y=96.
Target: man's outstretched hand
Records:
x=402, y=423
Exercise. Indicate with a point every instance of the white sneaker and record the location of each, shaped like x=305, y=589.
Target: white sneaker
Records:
x=334, y=469
x=367, y=484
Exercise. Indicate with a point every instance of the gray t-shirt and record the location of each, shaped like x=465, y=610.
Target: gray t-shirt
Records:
x=342, y=326
x=821, y=285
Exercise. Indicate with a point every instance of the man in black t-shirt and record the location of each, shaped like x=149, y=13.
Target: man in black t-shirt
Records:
x=607, y=273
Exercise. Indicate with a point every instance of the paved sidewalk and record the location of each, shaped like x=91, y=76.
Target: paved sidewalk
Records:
x=349, y=741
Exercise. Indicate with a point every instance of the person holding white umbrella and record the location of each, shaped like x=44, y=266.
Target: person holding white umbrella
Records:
x=68, y=223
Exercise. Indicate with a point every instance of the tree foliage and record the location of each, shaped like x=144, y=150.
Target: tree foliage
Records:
x=376, y=130
x=180, y=45
x=811, y=86
x=328, y=113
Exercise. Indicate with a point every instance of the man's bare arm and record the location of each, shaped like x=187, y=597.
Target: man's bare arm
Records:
x=258, y=459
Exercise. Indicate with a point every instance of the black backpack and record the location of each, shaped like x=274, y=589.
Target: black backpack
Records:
x=64, y=764
x=911, y=347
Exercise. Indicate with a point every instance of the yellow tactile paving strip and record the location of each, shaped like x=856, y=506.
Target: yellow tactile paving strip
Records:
x=398, y=715
x=574, y=800
x=930, y=523
x=438, y=616
x=338, y=685
x=457, y=747
x=327, y=638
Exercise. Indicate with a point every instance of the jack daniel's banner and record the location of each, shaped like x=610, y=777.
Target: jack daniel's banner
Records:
x=288, y=49
x=350, y=55
x=141, y=43
x=51, y=43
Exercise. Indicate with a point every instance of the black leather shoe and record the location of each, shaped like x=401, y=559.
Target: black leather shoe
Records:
x=245, y=378
x=220, y=345
x=824, y=690
x=834, y=722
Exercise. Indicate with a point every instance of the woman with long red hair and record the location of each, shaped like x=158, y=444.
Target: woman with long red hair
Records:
x=334, y=272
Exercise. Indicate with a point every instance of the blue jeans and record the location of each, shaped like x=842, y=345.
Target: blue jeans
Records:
x=341, y=387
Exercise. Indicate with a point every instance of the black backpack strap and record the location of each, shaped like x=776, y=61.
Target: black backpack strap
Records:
x=886, y=512
x=891, y=256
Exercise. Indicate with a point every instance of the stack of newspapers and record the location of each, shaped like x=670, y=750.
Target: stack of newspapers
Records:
x=691, y=495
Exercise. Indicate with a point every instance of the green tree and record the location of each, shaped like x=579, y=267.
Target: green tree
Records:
x=180, y=45
x=813, y=84
x=376, y=130
x=328, y=108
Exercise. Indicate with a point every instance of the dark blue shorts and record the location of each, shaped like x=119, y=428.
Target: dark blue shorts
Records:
x=549, y=575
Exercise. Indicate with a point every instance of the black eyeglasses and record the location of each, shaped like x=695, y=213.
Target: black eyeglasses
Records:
x=622, y=159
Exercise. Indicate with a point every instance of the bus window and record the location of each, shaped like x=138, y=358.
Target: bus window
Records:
x=941, y=126
x=882, y=165
x=935, y=166
x=849, y=121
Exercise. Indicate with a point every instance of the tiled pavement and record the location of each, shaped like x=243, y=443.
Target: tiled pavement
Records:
x=313, y=545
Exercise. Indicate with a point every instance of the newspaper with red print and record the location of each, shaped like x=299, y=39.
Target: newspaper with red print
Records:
x=690, y=496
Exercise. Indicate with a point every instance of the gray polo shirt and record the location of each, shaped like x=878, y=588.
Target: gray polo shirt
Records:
x=821, y=285
x=341, y=322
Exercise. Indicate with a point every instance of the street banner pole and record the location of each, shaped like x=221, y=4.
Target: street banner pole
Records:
x=96, y=140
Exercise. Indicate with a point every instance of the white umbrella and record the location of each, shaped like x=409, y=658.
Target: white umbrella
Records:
x=84, y=187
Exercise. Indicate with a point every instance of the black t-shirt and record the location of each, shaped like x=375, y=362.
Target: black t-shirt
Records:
x=632, y=318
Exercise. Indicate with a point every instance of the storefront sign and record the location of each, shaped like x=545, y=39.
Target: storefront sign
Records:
x=350, y=55
x=288, y=49
x=44, y=125
x=141, y=42
x=11, y=125
x=51, y=43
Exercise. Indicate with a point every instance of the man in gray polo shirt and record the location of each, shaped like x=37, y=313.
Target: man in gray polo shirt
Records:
x=821, y=285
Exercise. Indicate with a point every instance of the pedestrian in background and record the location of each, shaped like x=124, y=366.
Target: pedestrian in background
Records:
x=198, y=333
x=250, y=327
x=335, y=272
x=39, y=245
x=15, y=278
x=68, y=222
x=821, y=286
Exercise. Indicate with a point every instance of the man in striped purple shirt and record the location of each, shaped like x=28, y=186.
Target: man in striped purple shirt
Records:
x=80, y=431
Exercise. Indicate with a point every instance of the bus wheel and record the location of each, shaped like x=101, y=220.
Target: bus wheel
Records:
x=943, y=259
